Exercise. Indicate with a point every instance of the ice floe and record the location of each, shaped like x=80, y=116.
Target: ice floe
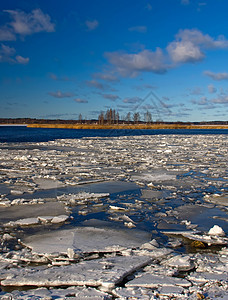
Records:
x=216, y=231
x=104, y=272
x=86, y=239
x=162, y=201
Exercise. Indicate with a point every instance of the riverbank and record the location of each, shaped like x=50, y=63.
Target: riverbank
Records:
x=127, y=126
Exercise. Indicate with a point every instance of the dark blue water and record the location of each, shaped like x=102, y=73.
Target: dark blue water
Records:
x=24, y=134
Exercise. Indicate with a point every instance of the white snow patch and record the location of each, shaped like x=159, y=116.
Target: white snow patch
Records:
x=217, y=231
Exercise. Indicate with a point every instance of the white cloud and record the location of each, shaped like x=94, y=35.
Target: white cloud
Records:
x=132, y=100
x=220, y=100
x=53, y=76
x=189, y=46
x=211, y=89
x=196, y=91
x=7, y=51
x=22, y=24
x=105, y=76
x=96, y=84
x=202, y=101
x=59, y=78
x=141, y=29
x=79, y=100
x=198, y=38
x=28, y=23
x=91, y=25
x=7, y=54
x=6, y=34
x=60, y=94
x=185, y=2
x=185, y=51
x=144, y=87
x=217, y=76
x=131, y=64
x=22, y=60
x=110, y=97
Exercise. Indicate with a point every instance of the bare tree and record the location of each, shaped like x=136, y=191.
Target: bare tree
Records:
x=117, y=118
x=136, y=117
x=80, y=118
x=148, y=117
x=128, y=117
x=101, y=118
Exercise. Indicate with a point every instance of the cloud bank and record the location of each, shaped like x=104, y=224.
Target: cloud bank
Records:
x=8, y=54
x=131, y=64
x=23, y=24
x=60, y=94
x=217, y=76
x=110, y=97
x=79, y=100
x=189, y=46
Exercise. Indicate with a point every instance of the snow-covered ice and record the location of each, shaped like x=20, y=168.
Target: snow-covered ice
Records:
x=141, y=217
x=86, y=239
x=104, y=272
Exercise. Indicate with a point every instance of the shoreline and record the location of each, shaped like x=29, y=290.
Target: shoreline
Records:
x=127, y=126
x=22, y=125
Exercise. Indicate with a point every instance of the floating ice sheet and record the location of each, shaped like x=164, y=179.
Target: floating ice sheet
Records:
x=81, y=293
x=217, y=199
x=102, y=272
x=86, y=239
x=186, y=181
x=149, y=280
x=154, y=177
x=14, y=213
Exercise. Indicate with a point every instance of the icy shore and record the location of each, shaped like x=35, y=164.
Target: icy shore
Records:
x=115, y=218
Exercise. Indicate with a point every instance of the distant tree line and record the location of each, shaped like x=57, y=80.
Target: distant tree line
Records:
x=111, y=116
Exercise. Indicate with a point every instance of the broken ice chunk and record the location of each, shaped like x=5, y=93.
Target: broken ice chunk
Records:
x=91, y=273
x=171, y=290
x=129, y=224
x=5, y=202
x=133, y=293
x=114, y=207
x=86, y=239
x=59, y=219
x=24, y=222
x=150, y=245
x=181, y=262
x=217, y=231
x=16, y=192
x=217, y=199
x=82, y=197
x=46, y=183
x=174, y=243
x=153, y=281
x=155, y=177
x=45, y=219
x=197, y=236
x=82, y=293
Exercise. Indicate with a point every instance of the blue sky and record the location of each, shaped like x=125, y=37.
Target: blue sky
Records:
x=62, y=58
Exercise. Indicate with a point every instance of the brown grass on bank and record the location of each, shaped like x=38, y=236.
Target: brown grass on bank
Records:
x=127, y=126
